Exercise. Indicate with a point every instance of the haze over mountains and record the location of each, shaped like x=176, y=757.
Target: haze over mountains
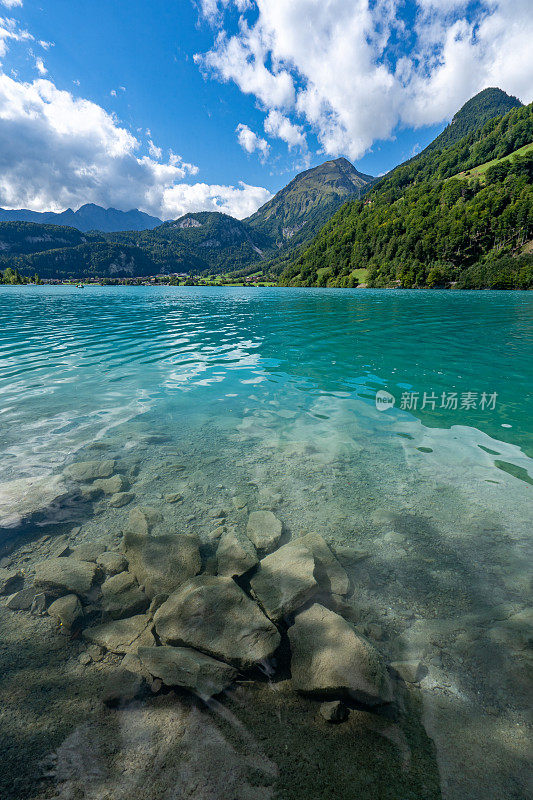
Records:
x=323, y=202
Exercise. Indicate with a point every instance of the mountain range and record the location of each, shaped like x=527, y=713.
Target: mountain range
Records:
x=326, y=226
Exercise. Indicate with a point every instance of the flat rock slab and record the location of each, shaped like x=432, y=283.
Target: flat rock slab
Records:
x=123, y=635
x=181, y=666
x=22, y=499
x=285, y=580
x=329, y=658
x=235, y=554
x=122, y=596
x=90, y=470
x=214, y=615
x=264, y=530
x=328, y=571
x=161, y=563
x=65, y=575
x=88, y=551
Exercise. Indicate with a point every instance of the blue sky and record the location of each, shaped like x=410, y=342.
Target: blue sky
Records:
x=172, y=104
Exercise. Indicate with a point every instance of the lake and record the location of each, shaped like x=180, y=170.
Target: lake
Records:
x=395, y=424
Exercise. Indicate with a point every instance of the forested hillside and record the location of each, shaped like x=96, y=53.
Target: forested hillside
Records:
x=425, y=225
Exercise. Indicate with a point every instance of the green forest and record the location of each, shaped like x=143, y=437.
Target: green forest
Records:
x=430, y=223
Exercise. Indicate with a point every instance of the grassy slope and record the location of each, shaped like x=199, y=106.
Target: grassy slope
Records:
x=481, y=170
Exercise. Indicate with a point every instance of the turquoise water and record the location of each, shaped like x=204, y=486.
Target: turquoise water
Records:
x=270, y=395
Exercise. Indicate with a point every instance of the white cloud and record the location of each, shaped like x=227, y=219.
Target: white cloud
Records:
x=276, y=124
x=11, y=3
x=113, y=92
x=10, y=32
x=39, y=65
x=352, y=70
x=251, y=142
x=57, y=150
x=155, y=152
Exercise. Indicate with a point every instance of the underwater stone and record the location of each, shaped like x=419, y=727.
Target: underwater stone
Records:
x=122, y=635
x=122, y=597
x=88, y=551
x=334, y=711
x=21, y=601
x=329, y=657
x=329, y=573
x=9, y=579
x=68, y=611
x=182, y=666
x=121, y=687
x=121, y=499
x=285, y=580
x=90, y=470
x=235, y=554
x=142, y=520
x=26, y=497
x=264, y=530
x=162, y=563
x=214, y=615
x=113, y=485
x=65, y=575
x=410, y=671
x=112, y=563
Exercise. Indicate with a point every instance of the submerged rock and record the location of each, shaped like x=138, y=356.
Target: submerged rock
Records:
x=68, y=611
x=88, y=551
x=112, y=563
x=122, y=597
x=21, y=601
x=161, y=563
x=235, y=554
x=181, y=666
x=264, y=530
x=411, y=671
x=22, y=499
x=334, y=711
x=9, y=580
x=328, y=572
x=123, y=635
x=121, y=499
x=329, y=657
x=113, y=485
x=142, y=520
x=65, y=575
x=214, y=615
x=90, y=470
x=285, y=580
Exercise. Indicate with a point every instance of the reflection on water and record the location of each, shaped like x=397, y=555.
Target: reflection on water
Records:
x=218, y=402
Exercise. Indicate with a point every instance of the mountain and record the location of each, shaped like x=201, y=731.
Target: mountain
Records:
x=437, y=220
x=296, y=212
x=477, y=111
x=87, y=218
x=205, y=241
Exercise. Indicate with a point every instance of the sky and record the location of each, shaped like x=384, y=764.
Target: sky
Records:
x=172, y=106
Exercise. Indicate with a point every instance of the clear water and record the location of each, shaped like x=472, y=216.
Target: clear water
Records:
x=270, y=395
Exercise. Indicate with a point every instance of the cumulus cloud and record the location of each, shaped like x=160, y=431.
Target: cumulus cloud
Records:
x=352, y=70
x=39, y=66
x=276, y=124
x=58, y=150
x=251, y=142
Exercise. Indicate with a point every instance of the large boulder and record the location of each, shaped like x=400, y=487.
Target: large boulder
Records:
x=214, y=615
x=285, y=580
x=181, y=666
x=122, y=635
x=160, y=562
x=122, y=596
x=235, y=554
x=65, y=576
x=330, y=658
x=90, y=470
x=26, y=498
x=328, y=572
x=264, y=530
